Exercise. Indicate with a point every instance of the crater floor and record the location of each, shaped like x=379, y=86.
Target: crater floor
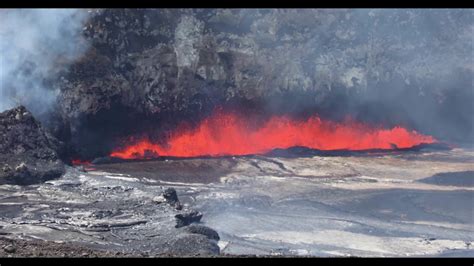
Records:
x=414, y=203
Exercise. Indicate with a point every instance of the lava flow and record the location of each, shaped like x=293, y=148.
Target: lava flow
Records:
x=77, y=162
x=230, y=134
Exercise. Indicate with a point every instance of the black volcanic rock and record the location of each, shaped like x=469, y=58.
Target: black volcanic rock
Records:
x=203, y=230
x=171, y=196
x=187, y=218
x=28, y=153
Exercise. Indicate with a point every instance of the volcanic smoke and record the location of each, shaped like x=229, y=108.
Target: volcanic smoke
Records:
x=225, y=133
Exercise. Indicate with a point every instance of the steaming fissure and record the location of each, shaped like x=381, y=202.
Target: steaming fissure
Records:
x=227, y=133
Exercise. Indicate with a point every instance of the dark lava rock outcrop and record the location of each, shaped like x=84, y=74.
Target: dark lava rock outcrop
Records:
x=28, y=153
x=203, y=230
x=172, y=198
x=187, y=218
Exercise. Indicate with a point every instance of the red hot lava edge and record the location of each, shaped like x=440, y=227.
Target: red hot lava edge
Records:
x=80, y=162
x=225, y=133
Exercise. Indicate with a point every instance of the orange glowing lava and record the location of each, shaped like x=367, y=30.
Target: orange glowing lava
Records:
x=77, y=162
x=230, y=134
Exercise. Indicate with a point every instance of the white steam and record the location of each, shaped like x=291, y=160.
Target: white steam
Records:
x=35, y=44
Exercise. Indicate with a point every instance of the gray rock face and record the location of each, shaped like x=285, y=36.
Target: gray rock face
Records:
x=28, y=154
x=156, y=67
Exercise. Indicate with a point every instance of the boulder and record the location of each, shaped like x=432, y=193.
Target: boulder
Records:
x=203, y=230
x=187, y=218
x=172, y=198
x=170, y=195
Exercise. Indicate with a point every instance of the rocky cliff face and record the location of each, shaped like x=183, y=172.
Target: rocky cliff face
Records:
x=150, y=68
x=28, y=154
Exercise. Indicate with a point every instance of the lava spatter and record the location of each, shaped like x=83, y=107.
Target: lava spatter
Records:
x=227, y=133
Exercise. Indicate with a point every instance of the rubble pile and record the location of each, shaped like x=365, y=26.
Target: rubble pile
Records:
x=28, y=153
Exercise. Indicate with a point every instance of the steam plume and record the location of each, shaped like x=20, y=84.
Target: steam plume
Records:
x=36, y=45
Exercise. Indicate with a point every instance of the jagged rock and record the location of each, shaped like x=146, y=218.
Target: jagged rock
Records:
x=9, y=249
x=187, y=218
x=203, y=230
x=28, y=153
x=171, y=197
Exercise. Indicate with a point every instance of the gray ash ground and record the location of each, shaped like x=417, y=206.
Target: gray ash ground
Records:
x=382, y=205
x=41, y=248
x=107, y=213
x=374, y=205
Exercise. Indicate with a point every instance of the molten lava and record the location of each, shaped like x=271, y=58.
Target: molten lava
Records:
x=76, y=162
x=231, y=134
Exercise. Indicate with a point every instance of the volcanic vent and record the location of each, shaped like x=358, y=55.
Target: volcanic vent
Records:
x=229, y=133
x=150, y=81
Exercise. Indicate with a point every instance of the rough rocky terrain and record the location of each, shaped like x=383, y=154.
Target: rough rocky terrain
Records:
x=28, y=153
x=12, y=248
x=105, y=212
x=411, y=203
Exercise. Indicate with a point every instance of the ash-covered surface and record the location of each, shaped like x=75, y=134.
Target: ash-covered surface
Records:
x=58, y=249
x=377, y=205
x=108, y=213
x=28, y=153
x=451, y=179
x=178, y=170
